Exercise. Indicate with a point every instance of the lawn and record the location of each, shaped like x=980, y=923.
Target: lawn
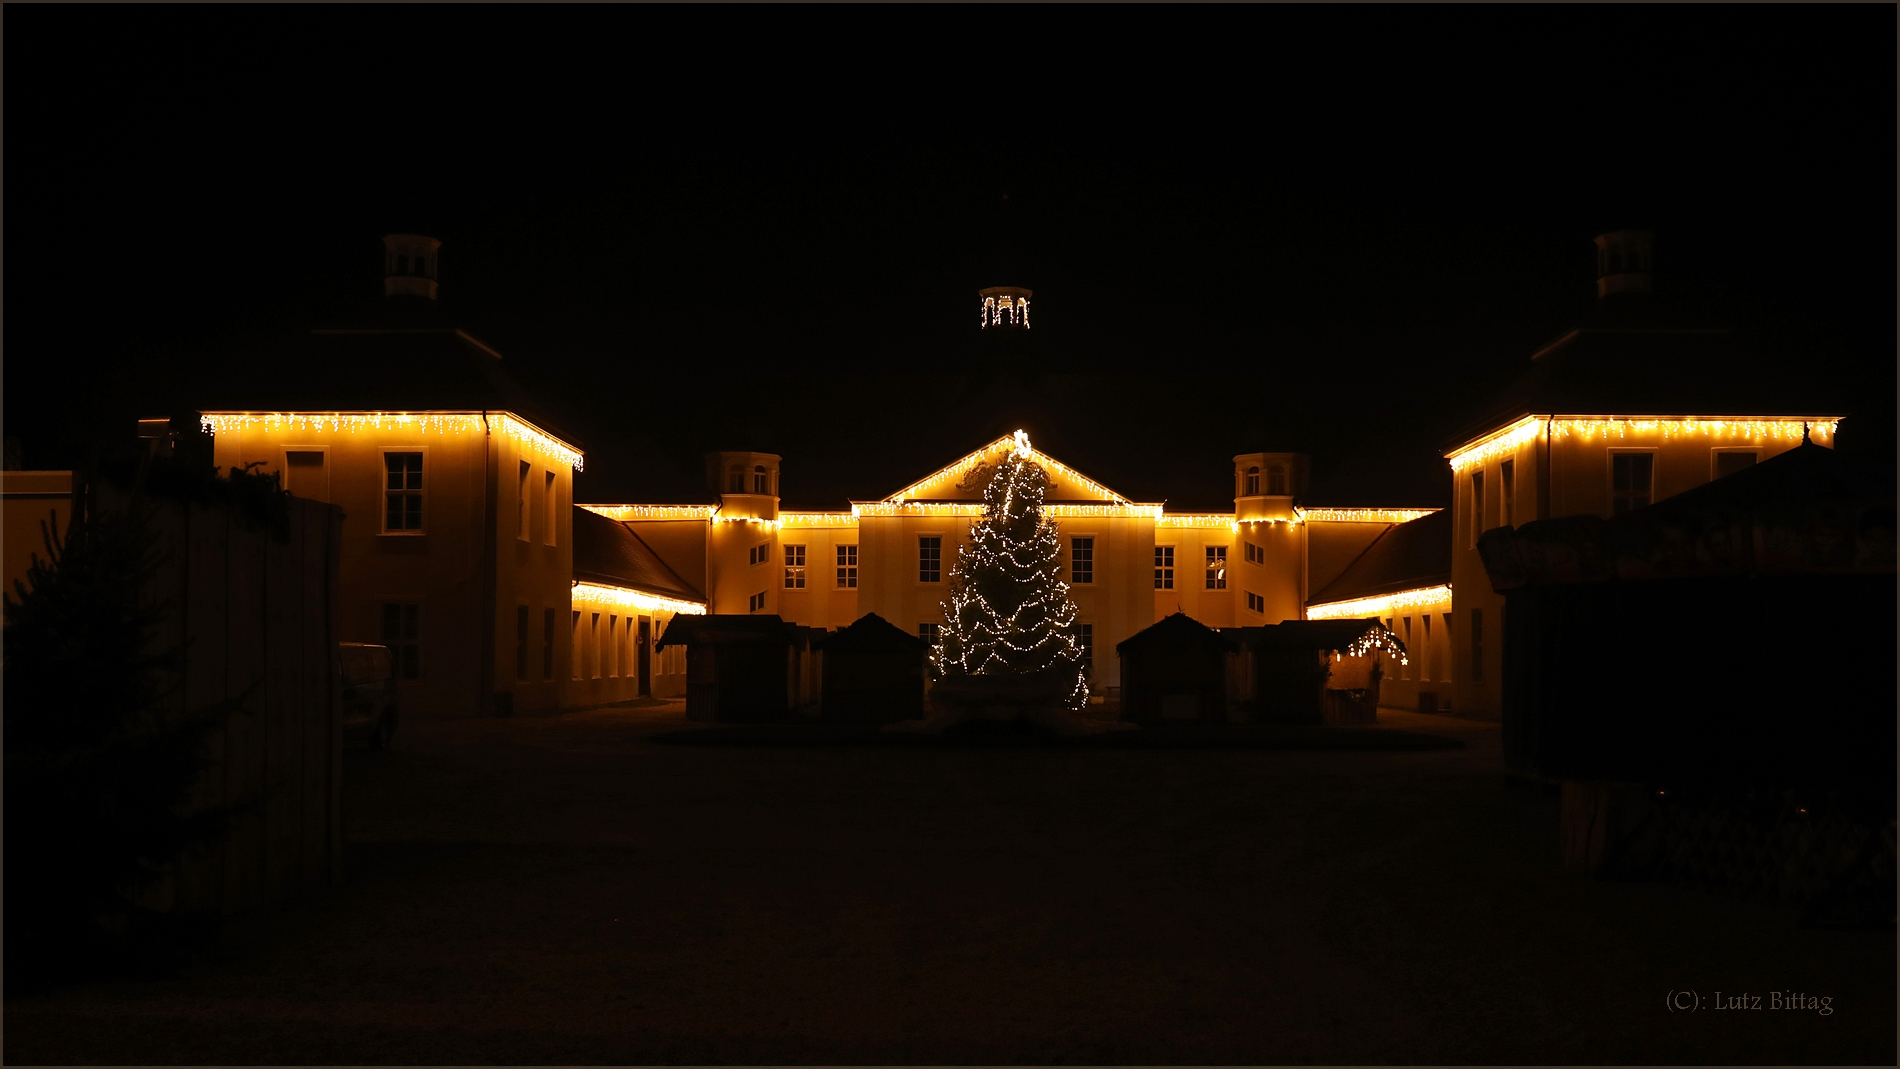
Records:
x=567, y=890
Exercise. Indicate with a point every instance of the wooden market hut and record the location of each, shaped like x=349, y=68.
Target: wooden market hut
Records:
x=741, y=667
x=1313, y=671
x=873, y=673
x=1175, y=670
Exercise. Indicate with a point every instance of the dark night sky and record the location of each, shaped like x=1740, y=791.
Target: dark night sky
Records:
x=1331, y=230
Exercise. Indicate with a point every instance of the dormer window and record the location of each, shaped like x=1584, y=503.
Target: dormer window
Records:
x=1276, y=481
x=1253, y=482
x=760, y=480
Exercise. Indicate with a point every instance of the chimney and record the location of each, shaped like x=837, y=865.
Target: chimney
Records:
x=1624, y=262
x=409, y=265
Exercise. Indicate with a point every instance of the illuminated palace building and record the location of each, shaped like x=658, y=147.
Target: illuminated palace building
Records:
x=465, y=551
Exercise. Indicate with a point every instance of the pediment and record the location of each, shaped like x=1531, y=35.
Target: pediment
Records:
x=964, y=479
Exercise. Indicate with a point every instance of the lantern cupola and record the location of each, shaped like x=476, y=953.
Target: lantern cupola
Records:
x=409, y=263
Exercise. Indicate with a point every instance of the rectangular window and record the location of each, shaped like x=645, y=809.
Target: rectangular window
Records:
x=574, y=646
x=929, y=633
x=847, y=567
x=523, y=516
x=1449, y=657
x=521, y=642
x=593, y=644
x=794, y=567
x=1405, y=670
x=548, y=505
x=1164, y=567
x=1256, y=603
x=759, y=554
x=1217, y=567
x=1477, y=645
x=1730, y=461
x=755, y=602
x=1085, y=638
x=1256, y=554
x=1082, y=560
x=402, y=493
x=1477, y=506
x=1507, y=487
x=1630, y=481
x=610, y=661
x=402, y=633
x=1276, y=481
x=930, y=559
x=547, y=643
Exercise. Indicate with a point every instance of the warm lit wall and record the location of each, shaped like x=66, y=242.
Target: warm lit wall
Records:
x=823, y=601
x=472, y=491
x=608, y=637
x=1562, y=467
x=1332, y=545
x=31, y=498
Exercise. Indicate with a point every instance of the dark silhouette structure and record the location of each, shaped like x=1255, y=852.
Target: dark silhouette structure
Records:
x=872, y=672
x=1175, y=670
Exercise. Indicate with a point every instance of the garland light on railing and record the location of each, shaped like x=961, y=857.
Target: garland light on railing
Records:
x=406, y=422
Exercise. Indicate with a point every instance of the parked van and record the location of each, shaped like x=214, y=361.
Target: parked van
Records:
x=369, y=694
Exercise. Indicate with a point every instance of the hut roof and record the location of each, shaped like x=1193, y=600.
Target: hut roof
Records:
x=612, y=552
x=727, y=627
x=872, y=633
x=1176, y=629
x=1405, y=557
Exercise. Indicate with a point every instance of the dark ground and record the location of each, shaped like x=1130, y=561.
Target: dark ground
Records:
x=560, y=890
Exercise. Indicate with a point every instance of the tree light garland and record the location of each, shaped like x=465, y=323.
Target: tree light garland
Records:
x=1009, y=612
x=444, y=423
x=628, y=598
x=1361, y=608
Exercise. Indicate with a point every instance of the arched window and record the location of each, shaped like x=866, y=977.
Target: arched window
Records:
x=402, y=265
x=422, y=265
x=761, y=482
x=1253, y=482
x=1276, y=481
x=735, y=480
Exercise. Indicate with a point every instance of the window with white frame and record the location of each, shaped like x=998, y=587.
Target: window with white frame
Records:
x=794, y=567
x=847, y=557
x=402, y=491
x=1256, y=603
x=1082, y=560
x=1164, y=567
x=1253, y=482
x=755, y=602
x=930, y=559
x=1216, y=567
x=1730, y=461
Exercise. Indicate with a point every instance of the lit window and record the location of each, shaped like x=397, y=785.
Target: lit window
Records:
x=847, y=567
x=794, y=567
x=1253, y=482
x=930, y=559
x=1630, y=475
x=402, y=492
x=1082, y=560
x=402, y=633
x=1255, y=554
x=1256, y=603
x=1217, y=567
x=1164, y=567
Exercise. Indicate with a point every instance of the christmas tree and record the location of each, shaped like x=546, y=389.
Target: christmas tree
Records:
x=1009, y=612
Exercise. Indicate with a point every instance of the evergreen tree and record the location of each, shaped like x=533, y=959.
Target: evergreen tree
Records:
x=1009, y=612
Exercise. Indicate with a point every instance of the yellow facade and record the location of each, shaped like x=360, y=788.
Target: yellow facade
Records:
x=612, y=630
x=468, y=578
x=1542, y=466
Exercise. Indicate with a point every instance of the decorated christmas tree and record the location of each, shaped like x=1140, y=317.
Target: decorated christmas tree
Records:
x=1009, y=612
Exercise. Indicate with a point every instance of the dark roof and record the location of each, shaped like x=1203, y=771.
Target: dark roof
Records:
x=729, y=627
x=1624, y=369
x=1313, y=634
x=1175, y=629
x=609, y=551
x=408, y=369
x=1407, y=556
x=1808, y=509
x=872, y=633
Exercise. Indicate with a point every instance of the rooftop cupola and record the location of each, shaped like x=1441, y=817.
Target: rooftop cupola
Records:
x=1624, y=262
x=1005, y=307
x=1265, y=485
x=409, y=262
x=747, y=484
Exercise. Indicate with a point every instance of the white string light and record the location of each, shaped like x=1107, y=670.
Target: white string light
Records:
x=412, y=423
x=1505, y=441
x=628, y=598
x=1361, y=608
x=654, y=512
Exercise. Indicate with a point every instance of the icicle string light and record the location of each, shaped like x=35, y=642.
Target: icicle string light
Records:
x=1748, y=429
x=654, y=512
x=1362, y=515
x=443, y=423
x=1361, y=608
x=1009, y=443
x=628, y=598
